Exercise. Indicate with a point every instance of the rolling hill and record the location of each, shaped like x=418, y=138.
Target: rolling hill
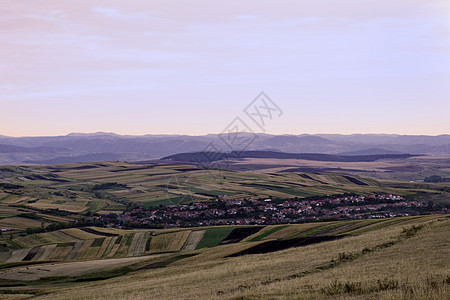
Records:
x=107, y=187
x=357, y=259
x=200, y=157
x=136, y=148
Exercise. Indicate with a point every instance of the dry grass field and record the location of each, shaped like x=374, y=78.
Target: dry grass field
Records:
x=34, y=272
x=401, y=258
x=169, y=242
x=20, y=223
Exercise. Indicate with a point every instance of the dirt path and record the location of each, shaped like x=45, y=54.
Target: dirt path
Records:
x=192, y=241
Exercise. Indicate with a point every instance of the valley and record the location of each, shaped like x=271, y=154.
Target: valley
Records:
x=246, y=233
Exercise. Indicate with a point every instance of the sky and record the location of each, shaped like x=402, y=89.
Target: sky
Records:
x=192, y=67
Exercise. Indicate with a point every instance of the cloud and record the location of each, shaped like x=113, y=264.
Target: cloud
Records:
x=49, y=16
x=110, y=51
x=111, y=12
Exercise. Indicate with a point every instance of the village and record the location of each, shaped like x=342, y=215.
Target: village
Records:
x=228, y=211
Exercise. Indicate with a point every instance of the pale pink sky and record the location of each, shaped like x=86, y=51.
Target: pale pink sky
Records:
x=191, y=67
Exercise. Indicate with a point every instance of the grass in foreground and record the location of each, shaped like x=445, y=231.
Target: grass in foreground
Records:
x=380, y=264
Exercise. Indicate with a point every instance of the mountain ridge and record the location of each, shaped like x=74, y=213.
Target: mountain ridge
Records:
x=199, y=157
x=144, y=147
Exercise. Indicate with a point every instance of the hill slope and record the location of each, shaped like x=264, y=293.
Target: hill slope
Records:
x=376, y=259
x=199, y=157
x=135, y=148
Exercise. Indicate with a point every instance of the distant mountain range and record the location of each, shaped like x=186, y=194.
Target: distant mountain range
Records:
x=209, y=157
x=79, y=147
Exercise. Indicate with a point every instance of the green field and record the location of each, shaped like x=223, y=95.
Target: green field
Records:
x=213, y=236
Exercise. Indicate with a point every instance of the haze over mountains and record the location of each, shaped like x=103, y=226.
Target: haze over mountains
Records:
x=78, y=147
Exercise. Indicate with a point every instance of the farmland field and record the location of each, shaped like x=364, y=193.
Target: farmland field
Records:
x=61, y=193
x=82, y=244
x=51, y=245
x=169, y=242
x=213, y=236
x=327, y=259
x=193, y=240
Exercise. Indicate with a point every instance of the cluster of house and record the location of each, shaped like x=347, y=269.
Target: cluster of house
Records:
x=225, y=210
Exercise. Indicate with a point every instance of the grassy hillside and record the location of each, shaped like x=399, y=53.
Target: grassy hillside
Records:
x=354, y=258
x=363, y=259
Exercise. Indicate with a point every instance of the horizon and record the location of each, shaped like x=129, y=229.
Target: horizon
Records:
x=199, y=135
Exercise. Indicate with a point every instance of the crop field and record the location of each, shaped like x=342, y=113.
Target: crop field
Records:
x=268, y=231
x=324, y=260
x=169, y=242
x=96, y=243
x=20, y=223
x=76, y=244
x=76, y=268
x=412, y=168
x=206, y=262
x=60, y=193
x=193, y=240
x=80, y=234
x=214, y=236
